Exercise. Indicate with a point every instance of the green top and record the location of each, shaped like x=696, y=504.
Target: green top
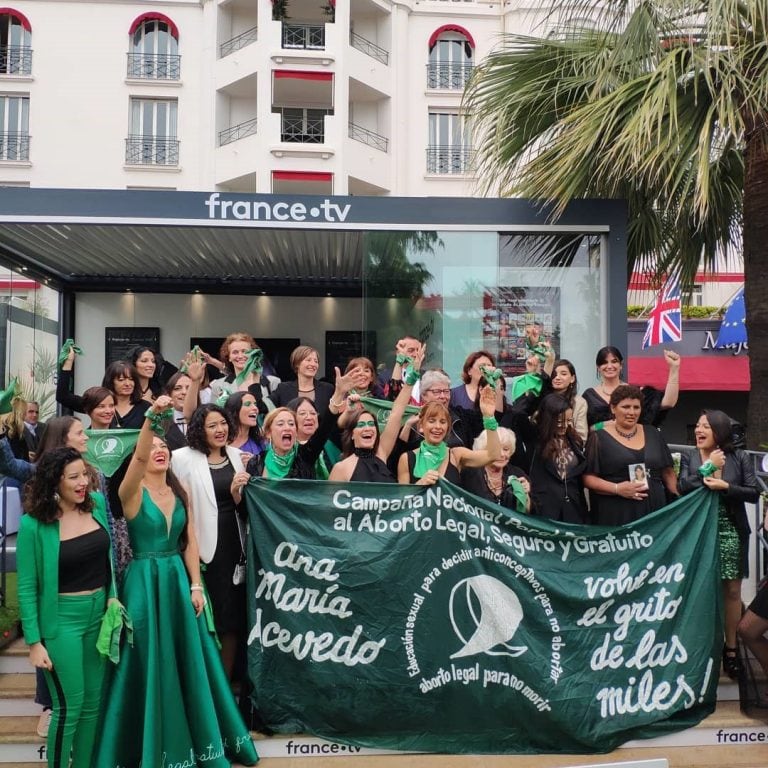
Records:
x=37, y=558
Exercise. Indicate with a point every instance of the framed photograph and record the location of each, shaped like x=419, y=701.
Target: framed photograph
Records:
x=639, y=474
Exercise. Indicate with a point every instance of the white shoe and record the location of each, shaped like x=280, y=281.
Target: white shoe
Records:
x=44, y=723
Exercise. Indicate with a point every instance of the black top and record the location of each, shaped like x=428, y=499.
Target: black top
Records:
x=557, y=492
x=451, y=473
x=222, y=475
x=134, y=419
x=474, y=480
x=599, y=410
x=371, y=469
x=84, y=562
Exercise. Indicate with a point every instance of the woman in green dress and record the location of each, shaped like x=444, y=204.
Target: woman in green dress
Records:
x=169, y=702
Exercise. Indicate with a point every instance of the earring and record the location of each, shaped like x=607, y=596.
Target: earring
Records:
x=56, y=497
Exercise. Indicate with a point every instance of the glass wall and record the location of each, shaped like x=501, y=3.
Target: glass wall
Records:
x=465, y=291
x=29, y=338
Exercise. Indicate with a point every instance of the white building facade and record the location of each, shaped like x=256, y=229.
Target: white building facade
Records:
x=359, y=97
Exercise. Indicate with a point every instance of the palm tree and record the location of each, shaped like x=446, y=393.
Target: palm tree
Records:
x=661, y=102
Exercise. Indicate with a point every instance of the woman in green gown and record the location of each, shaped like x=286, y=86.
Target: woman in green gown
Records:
x=169, y=701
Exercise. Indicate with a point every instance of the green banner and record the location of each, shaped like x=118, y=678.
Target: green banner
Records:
x=426, y=619
x=382, y=409
x=106, y=448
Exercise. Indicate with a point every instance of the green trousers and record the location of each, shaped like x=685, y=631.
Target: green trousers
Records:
x=76, y=680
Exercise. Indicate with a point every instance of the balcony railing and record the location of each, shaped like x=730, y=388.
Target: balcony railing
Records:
x=452, y=77
x=307, y=36
x=304, y=129
x=238, y=42
x=154, y=66
x=239, y=131
x=449, y=160
x=369, y=48
x=15, y=60
x=358, y=133
x=14, y=146
x=151, y=150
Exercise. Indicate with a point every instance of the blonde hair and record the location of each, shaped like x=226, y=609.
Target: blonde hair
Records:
x=301, y=353
x=272, y=415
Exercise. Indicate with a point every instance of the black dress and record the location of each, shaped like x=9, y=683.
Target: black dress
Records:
x=610, y=460
x=289, y=390
x=598, y=409
x=227, y=598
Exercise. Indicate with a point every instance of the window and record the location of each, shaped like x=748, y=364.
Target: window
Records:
x=154, y=53
x=152, y=133
x=14, y=128
x=305, y=126
x=449, y=150
x=697, y=295
x=15, y=42
x=451, y=51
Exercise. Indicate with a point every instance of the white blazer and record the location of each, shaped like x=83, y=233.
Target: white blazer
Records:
x=191, y=467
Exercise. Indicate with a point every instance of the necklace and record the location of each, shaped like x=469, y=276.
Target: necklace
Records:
x=307, y=390
x=494, y=486
x=164, y=491
x=625, y=435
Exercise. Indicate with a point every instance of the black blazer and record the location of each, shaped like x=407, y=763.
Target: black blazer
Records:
x=289, y=390
x=738, y=472
x=554, y=497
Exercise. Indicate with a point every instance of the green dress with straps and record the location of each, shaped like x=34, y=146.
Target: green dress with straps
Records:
x=169, y=701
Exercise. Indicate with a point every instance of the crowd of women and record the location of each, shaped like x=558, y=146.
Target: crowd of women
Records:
x=160, y=546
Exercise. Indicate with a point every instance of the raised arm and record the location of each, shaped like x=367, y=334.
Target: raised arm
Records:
x=196, y=372
x=64, y=385
x=469, y=458
x=390, y=433
x=672, y=390
x=130, y=489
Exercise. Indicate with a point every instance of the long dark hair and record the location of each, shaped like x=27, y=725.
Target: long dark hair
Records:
x=116, y=505
x=196, y=429
x=56, y=436
x=232, y=408
x=722, y=429
x=41, y=491
x=122, y=368
x=573, y=387
x=552, y=407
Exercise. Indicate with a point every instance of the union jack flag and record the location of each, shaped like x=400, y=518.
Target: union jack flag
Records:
x=664, y=323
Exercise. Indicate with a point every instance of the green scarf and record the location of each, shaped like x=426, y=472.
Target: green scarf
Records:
x=528, y=382
x=115, y=619
x=66, y=347
x=521, y=497
x=429, y=457
x=279, y=466
x=254, y=365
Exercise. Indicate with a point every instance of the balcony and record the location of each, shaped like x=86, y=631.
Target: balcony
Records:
x=236, y=132
x=14, y=146
x=303, y=126
x=368, y=48
x=451, y=77
x=309, y=37
x=447, y=160
x=15, y=60
x=238, y=42
x=154, y=66
x=151, y=150
x=366, y=136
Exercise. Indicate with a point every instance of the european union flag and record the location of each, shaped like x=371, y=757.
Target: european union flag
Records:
x=733, y=329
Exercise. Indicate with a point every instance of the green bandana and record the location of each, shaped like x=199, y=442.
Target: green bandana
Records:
x=279, y=466
x=490, y=375
x=68, y=345
x=156, y=420
x=111, y=631
x=7, y=395
x=254, y=365
x=540, y=350
x=196, y=354
x=107, y=448
x=429, y=457
x=528, y=382
x=521, y=497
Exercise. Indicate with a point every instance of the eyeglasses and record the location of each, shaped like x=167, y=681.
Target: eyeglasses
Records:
x=361, y=424
x=439, y=391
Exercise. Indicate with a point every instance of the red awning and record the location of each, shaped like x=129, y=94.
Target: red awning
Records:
x=20, y=16
x=302, y=176
x=450, y=28
x=154, y=16
x=295, y=74
x=727, y=373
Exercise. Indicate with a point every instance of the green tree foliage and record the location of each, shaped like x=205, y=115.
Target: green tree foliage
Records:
x=660, y=102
